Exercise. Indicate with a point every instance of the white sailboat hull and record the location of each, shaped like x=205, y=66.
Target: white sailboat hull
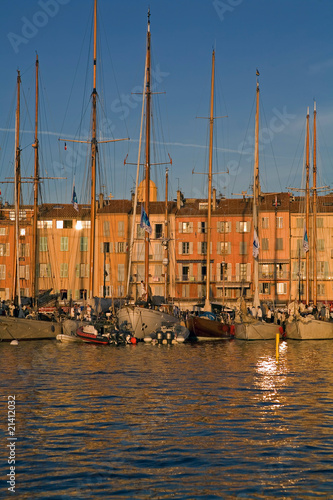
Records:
x=257, y=330
x=313, y=329
x=143, y=321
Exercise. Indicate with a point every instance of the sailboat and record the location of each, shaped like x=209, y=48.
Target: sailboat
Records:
x=22, y=328
x=247, y=327
x=307, y=327
x=207, y=326
x=144, y=320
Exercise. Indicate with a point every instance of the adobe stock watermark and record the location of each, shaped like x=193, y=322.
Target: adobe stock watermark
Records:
x=130, y=101
x=224, y=7
x=31, y=26
x=279, y=121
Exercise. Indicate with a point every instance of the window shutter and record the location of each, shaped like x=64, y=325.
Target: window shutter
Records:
x=229, y=247
x=180, y=248
x=237, y=272
x=191, y=247
x=211, y=247
x=199, y=247
x=218, y=248
x=190, y=227
x=229, y=271
x=237, y=226
x=180, y=227
x=248, y=272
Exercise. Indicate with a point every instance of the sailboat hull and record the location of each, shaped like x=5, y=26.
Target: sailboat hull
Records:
x=257, y=330
x=313, y=329
x=143, y=321
x=207, y=329
x=27, y=329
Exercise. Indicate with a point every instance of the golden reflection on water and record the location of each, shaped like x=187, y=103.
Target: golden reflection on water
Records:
x=224, y=420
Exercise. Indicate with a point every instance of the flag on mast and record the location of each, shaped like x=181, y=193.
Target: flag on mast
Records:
x=74, y=199
x=305, y=240
x=256, y=246
x=144, y=223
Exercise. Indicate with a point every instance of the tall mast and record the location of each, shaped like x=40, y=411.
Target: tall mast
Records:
x=210, y=168
x=314, y=205
x=256, y=193
x=93, y=162
x=147, y=164
x=36, y=183
x=166, y=234
x=307, y=208
x=17, y=194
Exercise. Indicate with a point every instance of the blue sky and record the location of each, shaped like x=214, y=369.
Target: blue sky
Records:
x=290, y=42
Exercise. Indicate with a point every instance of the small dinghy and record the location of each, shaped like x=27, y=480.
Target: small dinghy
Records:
x=62, y=337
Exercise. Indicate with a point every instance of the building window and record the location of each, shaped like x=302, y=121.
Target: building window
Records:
x=300, y=222
x=279, y=244
x=203, y=247
x=2, y=272
x=106, y=247
x=140, y=232
x=158, y=231
x=243, y=226
x=224, y=247
x=320, y=222
x=223, y=226
x=23, y=250
x=320, y=245
x=264, y=222
x=68, y=224
x=243, y=271
x=106, y=228
x=64, y=244
x=202, y=227
x=279, y=222
x=64, y=270
x=121, y=272
x=120, y=247
x=3, y=231
x=281, y=288
x=83, y=244
x=186, y=227
x=242, y=248
x=59, y=224
x=121, y=228
x=44, y=270
x=185, y=291
x=43, y=244
x=264, y=244
x=44, y=224
x=265, y=288
x=4, y=250
x=185, y=273
x=81, y=224
x=83, y=294
x=321, y=289
x=185, y=248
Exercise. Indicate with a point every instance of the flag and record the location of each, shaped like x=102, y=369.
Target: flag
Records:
x=305, y=240
x=144, y=223
x=65, y=147
x=255, y=250
x=276, y=203
x=74, y=200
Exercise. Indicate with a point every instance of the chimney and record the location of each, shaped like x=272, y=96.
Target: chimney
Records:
x=101, y=200
x=133, y=199
x=214, y=199
x=179, y=200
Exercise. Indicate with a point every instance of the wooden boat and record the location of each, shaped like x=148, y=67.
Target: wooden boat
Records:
x=208, y=327
x=246, y=327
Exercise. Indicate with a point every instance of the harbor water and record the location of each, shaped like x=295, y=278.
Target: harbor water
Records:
x=193, y=421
